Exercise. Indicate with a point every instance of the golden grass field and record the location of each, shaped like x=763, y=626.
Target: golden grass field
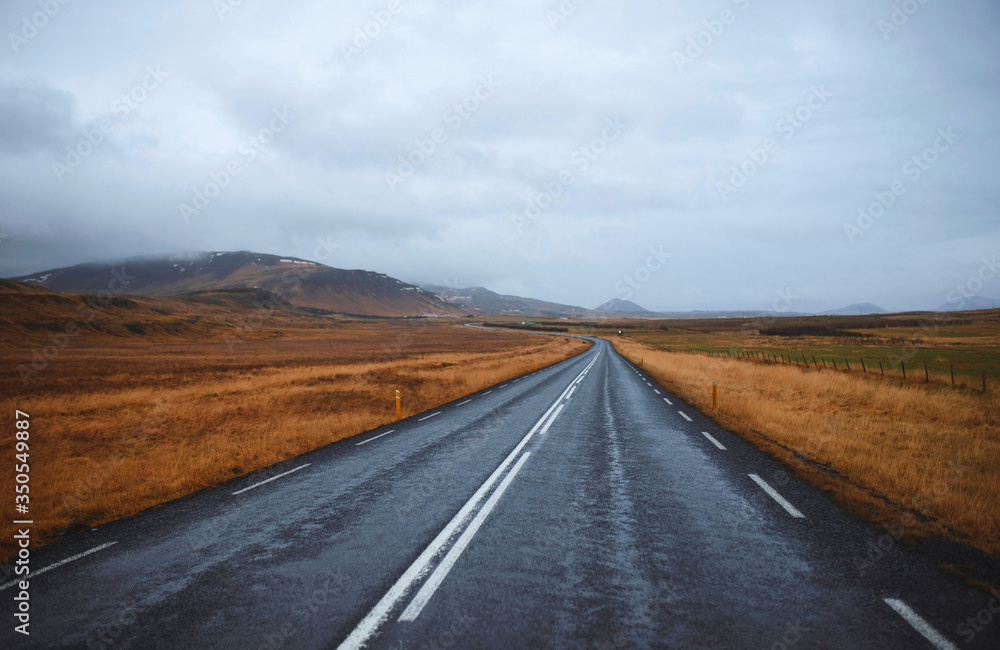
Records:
x=122, y=423
x=917, y=458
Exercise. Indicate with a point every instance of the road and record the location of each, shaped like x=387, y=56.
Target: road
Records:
x=578, y=506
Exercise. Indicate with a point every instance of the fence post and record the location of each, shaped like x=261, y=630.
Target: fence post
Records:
x=863, y=366
x=814, y=361
x=927, y=375
x=953, y=376
x=881, y=369
x=903, y=365
x=835, y=365
x=984, y=381
x=848, y=362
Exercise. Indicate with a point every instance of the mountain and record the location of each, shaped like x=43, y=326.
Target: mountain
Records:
x=971, y=304
x=617, y=305
x=480, y=301
x=858, y=308
x=303, y=284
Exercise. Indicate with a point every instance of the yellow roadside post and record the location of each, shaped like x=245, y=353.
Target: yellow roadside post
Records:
x=715, y=396
x=399, y=406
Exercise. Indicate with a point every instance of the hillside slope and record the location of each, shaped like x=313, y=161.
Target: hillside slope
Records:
x=304, y=284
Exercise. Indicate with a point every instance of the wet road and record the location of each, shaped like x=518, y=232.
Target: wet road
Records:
x=578, y=506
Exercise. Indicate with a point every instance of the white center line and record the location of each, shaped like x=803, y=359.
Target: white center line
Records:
x=548, y=424
x=792, y=510
x=920, y=625
x=685, y=416
x=379, y=614
x=39, y=572
x=515, y=381
x=487, y=392
x=426, y=592
x=365, y=442
x=648, y=384
x=273, y=478
x=428, y=417
x=571, y=392
x=713, y=440
x=504, y=386
x=656, y=391
x=465, y=402
x=668, y=401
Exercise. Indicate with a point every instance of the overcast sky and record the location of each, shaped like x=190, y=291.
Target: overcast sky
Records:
x=626, y=123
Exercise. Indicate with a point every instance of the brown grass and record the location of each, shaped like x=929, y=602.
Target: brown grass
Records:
x=921, y=459
x=119, y=425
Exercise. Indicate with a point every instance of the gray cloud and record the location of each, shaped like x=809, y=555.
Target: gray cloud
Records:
x=658, y=184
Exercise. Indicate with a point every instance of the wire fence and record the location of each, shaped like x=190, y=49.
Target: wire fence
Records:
x=911, y=371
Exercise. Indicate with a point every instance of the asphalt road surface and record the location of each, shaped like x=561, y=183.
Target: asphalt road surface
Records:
x=578, y=506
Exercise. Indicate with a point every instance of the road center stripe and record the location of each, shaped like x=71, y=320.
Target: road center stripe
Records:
x=426, y=592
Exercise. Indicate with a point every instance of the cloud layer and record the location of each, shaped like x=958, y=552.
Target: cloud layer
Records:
x=533, y=148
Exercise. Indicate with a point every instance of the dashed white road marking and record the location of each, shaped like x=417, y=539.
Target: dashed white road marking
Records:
x=465, y=402
x=713, y=440
x=39, y=572
x=428, y=417
x=685, y=416
x=487, y=392
x=571, y=393
x=668, y=401
x=273, y=478
x=656, y=391
x=648, y=384
x=515, y=381
x=426, y=592
x=792, y=510
x=365, y=442
x=504, y=386
x=920, y=625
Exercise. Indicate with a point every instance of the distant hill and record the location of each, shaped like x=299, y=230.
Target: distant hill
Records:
x=616, y=305
x=304, y=284
x=858, y=308
x=480, y=301
x=971, y=304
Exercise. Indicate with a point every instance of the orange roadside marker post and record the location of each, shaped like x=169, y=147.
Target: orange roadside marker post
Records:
x=715, y=396
x=399, y=406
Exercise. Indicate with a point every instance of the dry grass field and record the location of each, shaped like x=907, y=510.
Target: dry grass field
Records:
x=919, y=458
x=123, y=422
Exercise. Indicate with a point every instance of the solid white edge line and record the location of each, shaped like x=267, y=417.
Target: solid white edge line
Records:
x=792, y=510
x=465, y=402
x=429, y=416
x=380, y=612
x=668, y=401
x=713, y=440
x=273, y=478
x=32, y=574
x=920, y=625
x=426, y=592
x=365, y=442
x=685, y=416
x=552, y=419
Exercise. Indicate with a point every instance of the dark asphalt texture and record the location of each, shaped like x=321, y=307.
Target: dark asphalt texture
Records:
x=624, y=527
